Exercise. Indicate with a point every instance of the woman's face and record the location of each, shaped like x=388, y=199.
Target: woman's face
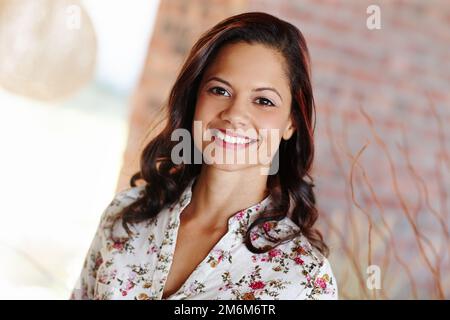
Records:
x=243, y=107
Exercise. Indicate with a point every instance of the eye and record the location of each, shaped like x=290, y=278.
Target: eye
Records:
x=266, y=102
x=218, y=91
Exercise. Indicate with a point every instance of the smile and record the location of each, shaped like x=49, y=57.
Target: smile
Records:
x=231, y=140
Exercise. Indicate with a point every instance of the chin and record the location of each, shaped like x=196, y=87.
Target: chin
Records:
x=231, y=167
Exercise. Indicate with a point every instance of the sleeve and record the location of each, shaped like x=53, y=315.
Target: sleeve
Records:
x=321, y=285
x=84, y=287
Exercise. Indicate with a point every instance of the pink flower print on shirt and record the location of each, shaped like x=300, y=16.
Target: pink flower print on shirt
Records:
x=133, y=267
x=275, y=253
x=118, y=245
x=152, y=249
x=254, y=235
x=320, y=282
x=257, y=285
x=239, y=215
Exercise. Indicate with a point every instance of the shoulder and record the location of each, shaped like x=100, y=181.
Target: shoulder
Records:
x=302, y=262
x=319, y=281
x=127, y=196
x=124, y=198
x=121, y=200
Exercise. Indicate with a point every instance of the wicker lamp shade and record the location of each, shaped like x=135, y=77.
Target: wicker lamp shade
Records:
x=47, y=48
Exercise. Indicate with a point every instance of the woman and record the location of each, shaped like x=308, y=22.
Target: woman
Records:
x=215, y=228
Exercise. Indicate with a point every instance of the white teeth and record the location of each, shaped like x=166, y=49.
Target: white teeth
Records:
x=229, y=139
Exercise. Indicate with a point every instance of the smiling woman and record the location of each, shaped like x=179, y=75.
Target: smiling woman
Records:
x=222, y=229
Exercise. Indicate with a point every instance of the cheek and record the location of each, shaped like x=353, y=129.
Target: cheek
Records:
x=204, y=111
x=271, y=122
x=203, y=115
x=271, y=129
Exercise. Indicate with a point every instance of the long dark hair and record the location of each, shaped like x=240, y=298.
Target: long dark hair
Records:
x=291, y=188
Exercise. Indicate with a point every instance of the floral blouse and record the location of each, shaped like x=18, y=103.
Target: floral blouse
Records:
x=137, y=267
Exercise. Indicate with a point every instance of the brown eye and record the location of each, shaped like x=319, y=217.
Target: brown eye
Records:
x=218, y=91
x=265, y=102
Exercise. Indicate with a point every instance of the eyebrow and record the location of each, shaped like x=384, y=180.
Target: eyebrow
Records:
x=256, y=90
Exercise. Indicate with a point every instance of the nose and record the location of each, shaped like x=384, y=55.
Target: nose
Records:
x=236, y=114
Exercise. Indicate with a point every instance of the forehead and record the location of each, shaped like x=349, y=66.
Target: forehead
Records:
x=250, y=64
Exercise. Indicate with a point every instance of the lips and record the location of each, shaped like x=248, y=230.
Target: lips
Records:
x=231, y=137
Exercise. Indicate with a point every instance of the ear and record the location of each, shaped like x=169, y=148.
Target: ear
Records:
x=289, y=131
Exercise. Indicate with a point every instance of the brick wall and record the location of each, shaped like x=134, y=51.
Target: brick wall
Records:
x=395, y=78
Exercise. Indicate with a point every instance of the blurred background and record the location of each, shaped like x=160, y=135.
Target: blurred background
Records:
x=81, y=82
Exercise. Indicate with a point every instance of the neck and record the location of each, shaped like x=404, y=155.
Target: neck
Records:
x=217, y=195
